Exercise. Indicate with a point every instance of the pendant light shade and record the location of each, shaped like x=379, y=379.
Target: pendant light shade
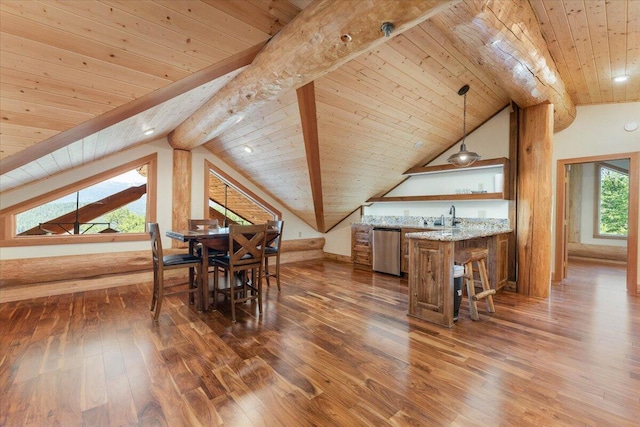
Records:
x=463, y=157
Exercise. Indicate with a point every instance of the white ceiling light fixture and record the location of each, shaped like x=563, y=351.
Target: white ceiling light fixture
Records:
x=248, y=149
x=149, y=131
x=630, y=126
x=463, y=157
x=620, y=79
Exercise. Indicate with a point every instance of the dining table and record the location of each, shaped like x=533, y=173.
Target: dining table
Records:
x=209, y=238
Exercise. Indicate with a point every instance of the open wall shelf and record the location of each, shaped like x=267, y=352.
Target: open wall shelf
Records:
x=440, y=169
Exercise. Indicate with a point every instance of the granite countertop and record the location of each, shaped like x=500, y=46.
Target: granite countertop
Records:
x=453, y=234
x=468, y=228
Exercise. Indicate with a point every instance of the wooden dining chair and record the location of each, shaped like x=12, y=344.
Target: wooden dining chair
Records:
x=244, y=266
x=194, y=225
x=162, y=263
x=272, y=250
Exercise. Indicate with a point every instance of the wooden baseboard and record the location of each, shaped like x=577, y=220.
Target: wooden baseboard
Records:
x=40, y=277
x=337, y=257
x=613, y=253
x=599, y=261
x=59, y=287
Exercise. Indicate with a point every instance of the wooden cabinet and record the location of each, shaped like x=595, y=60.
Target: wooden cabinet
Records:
x=497, y=261
x=431, y=280
x=361, y=246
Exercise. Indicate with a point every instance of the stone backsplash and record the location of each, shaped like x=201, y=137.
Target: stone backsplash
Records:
x=430, y=221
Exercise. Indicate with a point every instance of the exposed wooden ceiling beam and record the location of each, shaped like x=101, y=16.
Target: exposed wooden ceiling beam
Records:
x=505, y=37
x=308, y=117
x=325, y=35
x=130, y=109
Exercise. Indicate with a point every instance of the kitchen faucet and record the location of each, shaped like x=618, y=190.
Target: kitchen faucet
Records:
x=452, y=212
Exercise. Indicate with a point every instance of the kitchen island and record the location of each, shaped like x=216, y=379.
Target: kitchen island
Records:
x=431, y=255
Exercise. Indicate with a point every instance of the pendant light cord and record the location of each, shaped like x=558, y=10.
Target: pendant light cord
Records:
x=464, y=119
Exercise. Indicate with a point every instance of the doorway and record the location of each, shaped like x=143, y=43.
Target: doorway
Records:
x=562, y=230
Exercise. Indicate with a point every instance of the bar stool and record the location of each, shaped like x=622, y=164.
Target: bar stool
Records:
x=466, y=257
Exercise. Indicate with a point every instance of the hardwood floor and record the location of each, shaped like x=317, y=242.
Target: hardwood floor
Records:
x=333, y=348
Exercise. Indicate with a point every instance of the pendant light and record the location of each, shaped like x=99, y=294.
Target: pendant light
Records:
x=463, y=157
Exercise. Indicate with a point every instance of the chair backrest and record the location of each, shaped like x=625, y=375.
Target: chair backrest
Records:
x=156, y=242
x=246, y=244
x=194, y=224
x=275, y=225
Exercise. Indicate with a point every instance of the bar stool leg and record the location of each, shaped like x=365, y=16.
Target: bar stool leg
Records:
x=471, y=291
x=485, y=285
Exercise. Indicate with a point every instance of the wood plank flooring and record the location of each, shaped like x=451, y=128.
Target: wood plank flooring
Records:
x=333, y=348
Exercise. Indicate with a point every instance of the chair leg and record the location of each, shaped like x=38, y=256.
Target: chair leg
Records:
x=266, y=271
x=154, y=293
x=259, y=286
x=216, y=280
x=232, y=293
x=200, y=291
x=192, y=284
x=278, y=271
x=471, y=291
x=158, y=307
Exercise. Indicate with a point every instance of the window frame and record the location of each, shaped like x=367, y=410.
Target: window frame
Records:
x=596, y=200
x=8, y=215
x=210, y=167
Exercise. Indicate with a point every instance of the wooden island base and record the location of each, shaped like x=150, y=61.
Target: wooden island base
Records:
x=431, y=271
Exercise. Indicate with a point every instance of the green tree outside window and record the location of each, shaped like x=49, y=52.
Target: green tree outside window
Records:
x=613, y=202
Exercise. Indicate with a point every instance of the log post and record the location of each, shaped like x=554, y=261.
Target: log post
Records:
x=534, y=200
x=181, y=206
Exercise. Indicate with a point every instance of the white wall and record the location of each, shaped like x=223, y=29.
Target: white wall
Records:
x=294, y=227
x=338, y=240
x=490, y=141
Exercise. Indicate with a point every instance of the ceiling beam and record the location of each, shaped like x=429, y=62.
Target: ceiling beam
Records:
x=130, y=109
x=324, y=36
x=309, y=119
x=505, y=38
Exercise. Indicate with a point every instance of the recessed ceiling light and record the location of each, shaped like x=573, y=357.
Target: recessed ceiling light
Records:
x=248, y=149
x=630, y=126
x=149, y=131
x=619, y=79
x=418, y=144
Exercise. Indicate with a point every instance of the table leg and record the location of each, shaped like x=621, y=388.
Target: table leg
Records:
x=204, y=279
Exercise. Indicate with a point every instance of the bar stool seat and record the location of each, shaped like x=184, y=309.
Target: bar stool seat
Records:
x=466, y=257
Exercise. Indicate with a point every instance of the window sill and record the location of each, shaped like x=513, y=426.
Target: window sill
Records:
x=73, y=239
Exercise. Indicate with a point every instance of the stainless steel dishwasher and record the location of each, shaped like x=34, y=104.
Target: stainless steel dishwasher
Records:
x=386, y=250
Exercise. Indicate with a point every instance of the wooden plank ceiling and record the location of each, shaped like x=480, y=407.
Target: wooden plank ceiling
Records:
x=82, y=80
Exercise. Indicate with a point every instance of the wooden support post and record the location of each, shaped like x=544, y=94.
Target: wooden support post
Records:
x=534, y=201
x=181, y=210
x=514, y=123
